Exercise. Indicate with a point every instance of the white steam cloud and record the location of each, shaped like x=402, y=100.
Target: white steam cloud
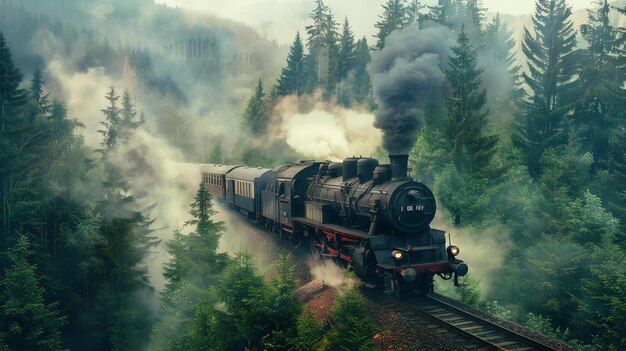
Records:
x=324, y=131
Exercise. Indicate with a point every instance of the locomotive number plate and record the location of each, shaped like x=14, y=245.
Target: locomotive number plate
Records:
x=412, y=208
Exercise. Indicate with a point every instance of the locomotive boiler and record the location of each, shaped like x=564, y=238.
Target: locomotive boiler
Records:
x=371, y=217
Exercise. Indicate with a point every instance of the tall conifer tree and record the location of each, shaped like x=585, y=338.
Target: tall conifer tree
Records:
x=551, y=79
x=467, y=116
x=36, y=88
x=292, y=77
x=394, y=17
x=256, y=115
x=26, y=320
x=111, y=130
x=347, y=58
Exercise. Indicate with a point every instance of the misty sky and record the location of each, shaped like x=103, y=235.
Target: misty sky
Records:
x=279, y=19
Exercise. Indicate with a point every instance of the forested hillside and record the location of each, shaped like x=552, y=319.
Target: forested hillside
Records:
x=523, y=143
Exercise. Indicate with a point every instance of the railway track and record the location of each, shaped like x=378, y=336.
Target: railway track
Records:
x=459, y=326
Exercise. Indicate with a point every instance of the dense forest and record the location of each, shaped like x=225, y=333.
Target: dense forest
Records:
x=527, y=159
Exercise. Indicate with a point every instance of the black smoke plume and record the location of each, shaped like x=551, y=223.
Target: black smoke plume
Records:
x=407, y=76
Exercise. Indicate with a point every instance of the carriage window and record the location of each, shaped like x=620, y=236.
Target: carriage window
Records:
x=288, y=190
x=281, y=189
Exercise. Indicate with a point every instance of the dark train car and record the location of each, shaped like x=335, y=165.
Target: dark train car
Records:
x=213, y=178
x=243, y=188
x=269, y=198
x=291, y=190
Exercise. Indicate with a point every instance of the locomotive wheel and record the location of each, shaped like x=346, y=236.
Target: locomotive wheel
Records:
x=317, y=246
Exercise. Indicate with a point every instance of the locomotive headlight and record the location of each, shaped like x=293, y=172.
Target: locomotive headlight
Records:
x=397, y=255
x=453, y=250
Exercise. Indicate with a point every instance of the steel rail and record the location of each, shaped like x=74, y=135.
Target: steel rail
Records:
x=477, y=333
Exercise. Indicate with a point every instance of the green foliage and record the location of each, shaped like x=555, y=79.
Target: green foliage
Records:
x=469, y=291
x=551, y=80
x=351, y=327
x=36, y=89
x=361, y=81
x=602, y=313
x=292, y=77
x=309, y=330
x=470, y=147
x=27, y=321
x=256, y=116
x=345, y=62
x=597, y=112
x=110, y=131
x=397, y=14
x=192, y=273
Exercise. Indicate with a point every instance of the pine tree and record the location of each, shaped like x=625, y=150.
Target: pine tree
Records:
x=470, y=147
x=192, y=271
x=395, y=17
x=445, y=12
x=597, y=113
x=127, y=117
x=361, y=81
x=256, y=116
x=352, y=328
x=413, y=12
x=346, y=62
x=292, y=78
x=243, y=292
x=551, y=79
x=111, y=131
x=499, y=42
x=283, y=304
x=309, y=331
x=11, y=95
x=18, y=141
x=331, y=44
x=474, y=17
x=36, y=88
x=317, y=59
x=27, y=321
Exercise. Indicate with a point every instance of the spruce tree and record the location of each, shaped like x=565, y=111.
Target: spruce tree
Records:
x=474, y=17
x=317, y=59
x=550, y=79
x=499, y=42
x=470, y=146
x=445, y=12
x=16, y=134
x=597, y=113
x=256, y=116
x=361, y=81
x=127, y=117
x=346, y=62
x=11, y=96
x=36, y=88
x=352, y=328
x=292, y=77
x=331, y=43
x=309, y=331
x=412, y=12
x=26, y=320
x=395, y=17
x=111, y=130
x=243, y=292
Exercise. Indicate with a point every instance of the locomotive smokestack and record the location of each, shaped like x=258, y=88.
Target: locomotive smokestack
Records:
x=399, y=167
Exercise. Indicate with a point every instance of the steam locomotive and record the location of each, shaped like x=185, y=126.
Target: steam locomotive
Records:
x=372, y=217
